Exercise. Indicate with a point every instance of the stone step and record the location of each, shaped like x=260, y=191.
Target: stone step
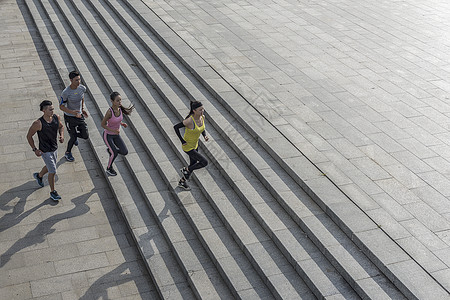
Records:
x=345, y=254
x=170, y=281
x=385, y=253
x=148, y=136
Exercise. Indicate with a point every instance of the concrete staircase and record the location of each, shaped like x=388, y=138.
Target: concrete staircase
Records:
x=261, y=222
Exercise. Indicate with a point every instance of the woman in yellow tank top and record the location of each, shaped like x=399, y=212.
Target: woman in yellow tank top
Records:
x=194, y=126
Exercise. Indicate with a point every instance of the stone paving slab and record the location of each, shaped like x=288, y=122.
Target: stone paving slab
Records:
x=392, y=82
x=79, y=248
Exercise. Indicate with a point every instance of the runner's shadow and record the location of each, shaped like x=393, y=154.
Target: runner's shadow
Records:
x=17, y=214
x=125, y=272
x=38, y=234
x=121, y=274
x=61, y=161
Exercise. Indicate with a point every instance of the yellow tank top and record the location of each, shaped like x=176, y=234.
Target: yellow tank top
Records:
x=191, y=136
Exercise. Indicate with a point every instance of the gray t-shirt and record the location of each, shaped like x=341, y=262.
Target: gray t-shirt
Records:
x=72, y=98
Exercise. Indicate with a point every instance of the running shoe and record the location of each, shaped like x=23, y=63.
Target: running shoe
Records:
x=38, y=179
x=183, y=184
x=54, y=195
x=69, y=156
x=110, y=171
x=185, y=172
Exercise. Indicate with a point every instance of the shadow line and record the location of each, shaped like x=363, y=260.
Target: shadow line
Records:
x=18, y=213
x=44, y=228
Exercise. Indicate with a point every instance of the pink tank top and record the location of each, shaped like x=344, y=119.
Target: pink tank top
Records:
x=114, y=122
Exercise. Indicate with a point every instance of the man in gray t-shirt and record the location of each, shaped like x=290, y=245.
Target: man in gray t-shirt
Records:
x=72, y=104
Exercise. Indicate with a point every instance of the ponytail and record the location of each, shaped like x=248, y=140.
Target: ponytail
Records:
x=125, y=110
x=194, y=105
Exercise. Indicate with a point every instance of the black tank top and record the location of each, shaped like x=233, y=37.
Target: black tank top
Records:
x=47, y=135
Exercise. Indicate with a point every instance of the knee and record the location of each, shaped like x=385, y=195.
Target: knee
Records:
x=124, y=151
x=85, y=135
x=204, y=162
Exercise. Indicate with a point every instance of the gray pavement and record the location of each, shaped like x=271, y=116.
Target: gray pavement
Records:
x=79, y=248
x=360, y=87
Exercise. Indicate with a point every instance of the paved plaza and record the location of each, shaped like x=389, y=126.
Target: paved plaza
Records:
x=360, y=88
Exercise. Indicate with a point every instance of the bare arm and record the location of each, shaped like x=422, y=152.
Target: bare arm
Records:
x=35, y=127
x=83, y=111
x=60, y=129
x=205, y=136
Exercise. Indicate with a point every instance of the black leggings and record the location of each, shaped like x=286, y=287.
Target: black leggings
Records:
x=77, y=128
x=115, y=146
x=197, y=161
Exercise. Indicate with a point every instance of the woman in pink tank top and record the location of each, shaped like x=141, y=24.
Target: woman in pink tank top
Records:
x=111, y=123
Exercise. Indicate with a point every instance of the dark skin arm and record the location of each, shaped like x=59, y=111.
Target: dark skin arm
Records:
x=60, y=130
x=35, y=127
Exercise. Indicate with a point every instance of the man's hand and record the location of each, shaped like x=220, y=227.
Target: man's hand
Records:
x=78, y=115
x=84, y=112
x=38, y=152
x=61, y=139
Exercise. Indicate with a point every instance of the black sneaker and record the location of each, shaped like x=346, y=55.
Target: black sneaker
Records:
x=183, y=184
x=38, y=179
x=185, y=172
x=54, y=195
x=69, y=156
x=110, y=171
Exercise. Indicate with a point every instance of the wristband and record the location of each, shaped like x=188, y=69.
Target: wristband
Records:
x=34, y=149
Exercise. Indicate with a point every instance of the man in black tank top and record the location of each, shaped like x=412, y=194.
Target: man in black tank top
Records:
x=47, y=128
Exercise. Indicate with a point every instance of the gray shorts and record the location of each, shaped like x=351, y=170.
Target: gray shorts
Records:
x=50, y=160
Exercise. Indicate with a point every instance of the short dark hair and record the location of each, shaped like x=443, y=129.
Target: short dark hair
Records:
x=44, y=104
x=74, y=74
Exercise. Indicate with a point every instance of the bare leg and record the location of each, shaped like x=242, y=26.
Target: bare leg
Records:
x=43, y=171
x=51, y=181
